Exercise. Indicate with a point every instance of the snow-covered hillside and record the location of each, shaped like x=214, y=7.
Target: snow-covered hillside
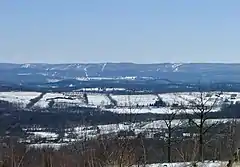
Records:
x=24, y=73
x=142, y=103
x=20, y=98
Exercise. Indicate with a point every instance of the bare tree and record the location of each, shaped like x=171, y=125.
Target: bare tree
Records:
x=202, y=105
x=172, y=124
x=232, y=135
x=188, y=149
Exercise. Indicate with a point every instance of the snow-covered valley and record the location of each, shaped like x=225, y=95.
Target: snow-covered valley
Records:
x=38, y=136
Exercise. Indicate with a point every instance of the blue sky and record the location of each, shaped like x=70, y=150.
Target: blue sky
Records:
x=141, y=31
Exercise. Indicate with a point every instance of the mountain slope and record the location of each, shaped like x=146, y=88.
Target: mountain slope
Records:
x=45, y=73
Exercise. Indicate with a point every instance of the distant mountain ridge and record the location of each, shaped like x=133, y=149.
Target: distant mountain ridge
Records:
x=175, y=72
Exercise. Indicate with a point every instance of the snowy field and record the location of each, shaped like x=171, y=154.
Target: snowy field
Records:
x=125, y=103
x=44, y=134
x=20, y=98
x=160, y=124
x=208, y=98
x=90, y=132
x=47, y=145
x=163, y=110
x=128, y=100
x=58, y=98
x=98, y=99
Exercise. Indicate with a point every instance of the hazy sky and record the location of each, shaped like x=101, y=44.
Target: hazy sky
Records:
x=141, y=31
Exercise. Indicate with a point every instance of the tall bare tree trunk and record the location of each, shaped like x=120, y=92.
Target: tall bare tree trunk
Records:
x=169, y=145
x=201, y=158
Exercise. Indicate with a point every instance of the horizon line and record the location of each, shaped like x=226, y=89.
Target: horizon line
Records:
x=15, y=63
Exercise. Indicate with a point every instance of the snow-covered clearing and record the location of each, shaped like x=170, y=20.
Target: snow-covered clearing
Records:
x=160, y=124
x=44, y=134
x=129, y=100
x=47, y=145
x=58, y=98
x=21, y=98
x=111, y=128
x=209, y=97
x=83, y=131
x=98, y=99
x=162, y=110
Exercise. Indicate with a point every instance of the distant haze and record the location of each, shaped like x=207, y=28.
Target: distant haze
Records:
x=139, y=31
